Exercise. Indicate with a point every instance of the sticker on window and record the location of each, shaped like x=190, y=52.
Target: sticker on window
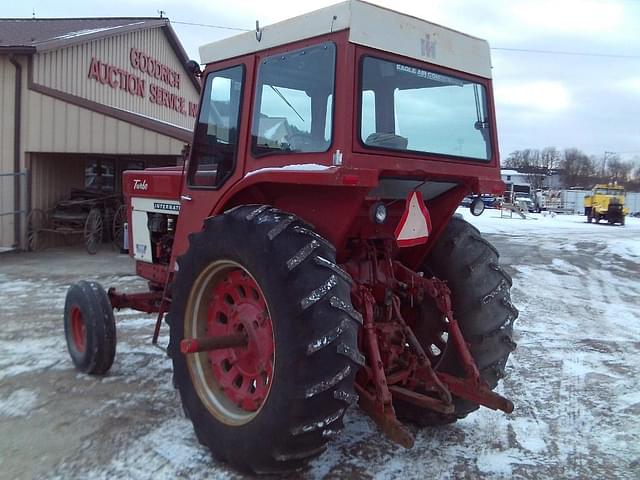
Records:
x=436, y=77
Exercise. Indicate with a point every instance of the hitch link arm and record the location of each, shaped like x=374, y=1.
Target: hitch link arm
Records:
x=472, y=387
x=379, y=406
x=423, y=360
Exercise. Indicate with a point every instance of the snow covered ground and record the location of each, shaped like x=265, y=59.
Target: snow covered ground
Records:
x=574, y=379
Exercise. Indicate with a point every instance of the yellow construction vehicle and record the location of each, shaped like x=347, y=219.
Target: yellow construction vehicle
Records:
x=606, y=202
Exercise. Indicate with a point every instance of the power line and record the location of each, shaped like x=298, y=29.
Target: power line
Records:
x=559, y=52
x=507, y=49
x=222, y=27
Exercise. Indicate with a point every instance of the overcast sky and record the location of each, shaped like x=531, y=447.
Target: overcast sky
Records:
x=588, y=102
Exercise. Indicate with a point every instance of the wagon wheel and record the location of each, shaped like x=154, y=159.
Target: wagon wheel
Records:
x=93, y=230
x=36, y=221
x=117, y=228
x=108, y=214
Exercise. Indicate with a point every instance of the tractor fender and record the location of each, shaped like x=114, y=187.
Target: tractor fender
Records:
x=315, y=195
x=305, y=174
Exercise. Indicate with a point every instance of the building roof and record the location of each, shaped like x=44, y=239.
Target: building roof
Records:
x=41, y=34
x=31, y=35
x=368, y=25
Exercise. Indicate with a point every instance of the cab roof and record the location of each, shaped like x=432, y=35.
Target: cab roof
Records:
x=368, y=25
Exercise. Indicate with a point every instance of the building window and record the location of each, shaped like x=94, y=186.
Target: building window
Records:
x=294, y=99
x=508, y=178
x=99, y=175
x=216, y=140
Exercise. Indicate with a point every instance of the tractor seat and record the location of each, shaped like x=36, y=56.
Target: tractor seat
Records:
x=387, y=140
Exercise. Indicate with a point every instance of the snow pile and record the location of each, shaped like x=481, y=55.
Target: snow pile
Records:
x=19, y=403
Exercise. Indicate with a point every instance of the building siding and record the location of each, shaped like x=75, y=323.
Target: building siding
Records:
x=67, y=70
x=7, y=111
x=55, y=126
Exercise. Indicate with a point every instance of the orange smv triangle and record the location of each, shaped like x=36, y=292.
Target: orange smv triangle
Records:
x=415, y=225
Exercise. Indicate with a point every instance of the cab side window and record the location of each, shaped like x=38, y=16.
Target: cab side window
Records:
x=215, y=147
x=294, y=102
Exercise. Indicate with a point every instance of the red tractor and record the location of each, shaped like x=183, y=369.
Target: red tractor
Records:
x=307, y=255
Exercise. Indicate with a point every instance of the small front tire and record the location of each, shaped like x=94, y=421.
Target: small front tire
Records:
x=90, y=328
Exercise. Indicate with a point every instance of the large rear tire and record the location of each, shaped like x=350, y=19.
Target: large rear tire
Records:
x=294, y=305
x=480, y=293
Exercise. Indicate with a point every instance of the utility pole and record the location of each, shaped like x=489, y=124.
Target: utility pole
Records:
x=604, y=160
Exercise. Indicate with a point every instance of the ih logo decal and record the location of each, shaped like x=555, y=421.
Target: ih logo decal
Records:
x=415, y=225
x=428, y=46
x=140, y=184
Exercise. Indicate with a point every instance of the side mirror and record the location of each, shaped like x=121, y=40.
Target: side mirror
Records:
x=193, y=67
x=477, y=207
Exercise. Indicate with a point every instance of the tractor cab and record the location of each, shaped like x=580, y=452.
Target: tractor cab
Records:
x=342, y=108
x=350, y=95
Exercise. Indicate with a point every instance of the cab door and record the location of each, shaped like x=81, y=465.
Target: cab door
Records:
x=218, y=149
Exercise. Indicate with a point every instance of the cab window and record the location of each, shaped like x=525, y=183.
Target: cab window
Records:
x=294, y=102
x=408, y=109
x=215, y=146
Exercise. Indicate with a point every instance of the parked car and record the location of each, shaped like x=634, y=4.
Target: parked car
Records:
x=490, y=201
x=526, y=203
x=466, y=201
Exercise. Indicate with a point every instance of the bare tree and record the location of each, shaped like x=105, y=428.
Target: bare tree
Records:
x=617, y=169
x=529, y=157
x=513, y=160
x=550, y=158
x=577, y=167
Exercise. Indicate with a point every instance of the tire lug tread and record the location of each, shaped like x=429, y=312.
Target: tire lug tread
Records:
x=353, y=355
x=319, y=293
x=327, y=383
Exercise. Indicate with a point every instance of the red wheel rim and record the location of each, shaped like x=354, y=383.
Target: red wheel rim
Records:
x=232, y=383
x=78, y=330
x=238, y=306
